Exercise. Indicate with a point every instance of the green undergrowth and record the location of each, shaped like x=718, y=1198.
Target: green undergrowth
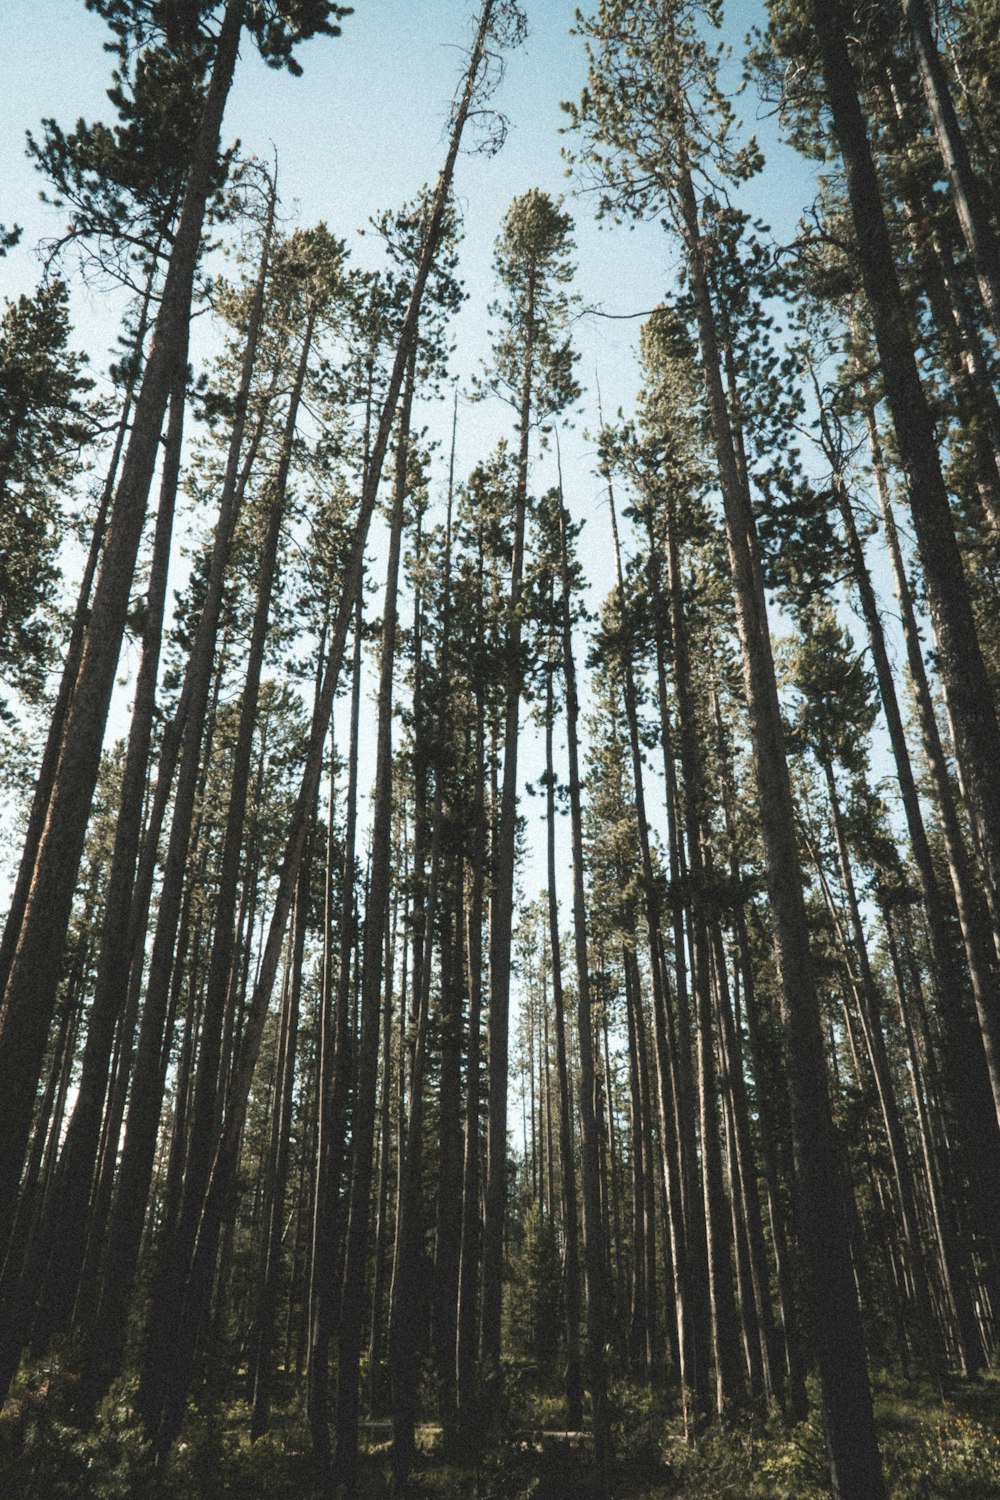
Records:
x=936, y=1446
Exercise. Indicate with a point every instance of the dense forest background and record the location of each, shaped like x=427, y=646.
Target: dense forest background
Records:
x=494, y=1004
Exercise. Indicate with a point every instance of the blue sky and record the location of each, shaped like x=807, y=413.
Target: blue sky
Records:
x=360, y=132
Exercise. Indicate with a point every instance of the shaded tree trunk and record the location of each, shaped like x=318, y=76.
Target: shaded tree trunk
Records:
x=977, y=230
x=963, y=674
x=835, y=1317
x=30, y=992
x=571, y=1254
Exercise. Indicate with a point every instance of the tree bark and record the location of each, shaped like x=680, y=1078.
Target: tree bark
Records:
x=335, y=1065
x=30, y=992
x=977, y=230
x=963, y=673
x=206, y=1106
x=53, y=1266
x=728, y=1376
x=838, y=1341
x=571, y=1253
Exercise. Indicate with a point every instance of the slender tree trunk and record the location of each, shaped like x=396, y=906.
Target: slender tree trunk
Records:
x=468, y=1398
x=952, y=1261
x=382, y=1272
x=376, y=917
x=963, y=673
x=275, y=1188
x=336, y=1056
x=52, y=1266
x=67, y=678
x=947, y=975
x=689, y=1244
x=30, y=992
x=593, y=1226
x=206, y=1108
x=968, y=899
x=639, y=1291
x=798, y=1404
x=977, y=230
x=746, y=1182
x=838, y=1340
x=448, y=1229
x=502, y=896
x=125, y=1228
x=571, y=1254
x=870, y=1005
x=728, y=1377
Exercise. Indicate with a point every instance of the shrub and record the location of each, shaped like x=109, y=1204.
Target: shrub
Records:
x=44, y=1457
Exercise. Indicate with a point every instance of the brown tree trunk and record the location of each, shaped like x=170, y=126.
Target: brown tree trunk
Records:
x=571, y=1253
x=728, y=1375
x=746, y=1186
x=688, y=1237
x=968, y=898
x=963, y=673
x=977, y=230
x=74, y=646
x=276, y=1181
x=385, y=1200
x=376, y=918
x=335, y=1070
x=502, y=901
x=766, y=1129
x=947, y=974
x=448, y=1226
x=838, y=1340
x=30, y=991
x=467, y=1397
x=405, y=1298
x=206, y=1107
x=952, y=1259
x=872, y=1028
x=52, y=1267
x=185, y=741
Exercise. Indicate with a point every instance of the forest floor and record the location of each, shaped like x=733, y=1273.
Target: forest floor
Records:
x=936, y=1446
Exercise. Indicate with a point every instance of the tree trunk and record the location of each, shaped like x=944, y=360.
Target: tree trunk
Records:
x=277, y=1175
x=838, y=1340
x=502, y=899
x=593, y=1226
x=870, y=1008
x=30, y=992
x=125, y=1229
x=469, y=1411
x=947, y=974
x=689, y=1245
x=745, y=1187
x=798, y=1404
x=968, y=899
x=206, y=1107
x=376, y=917
x=53, y=1266
x=67, y=677
x=571, y=1254
x=963, y=673
x=335, y=1066
x=977, y=230
x=728, y=1377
